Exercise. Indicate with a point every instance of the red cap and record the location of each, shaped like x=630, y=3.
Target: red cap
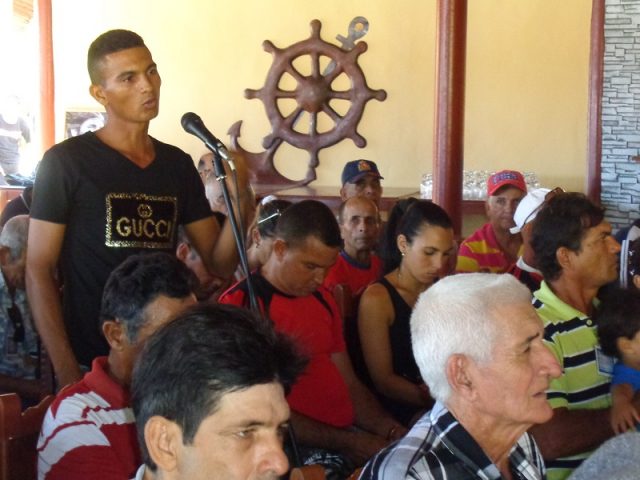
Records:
x=505, y=177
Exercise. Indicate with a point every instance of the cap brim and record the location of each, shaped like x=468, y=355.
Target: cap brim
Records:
x=364, y=174
x=515, y=230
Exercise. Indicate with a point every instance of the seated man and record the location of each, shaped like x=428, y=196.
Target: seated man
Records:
x=478, y=343
x=209, y=286
x=89, y=430
x=493, y=248
x=524, y=268
x=328, y=400
x=357, y=266
x=361, y=178
x=577, y=255
x=205, y=166
x=18, y=338
x=208, y=396
x=21, y=205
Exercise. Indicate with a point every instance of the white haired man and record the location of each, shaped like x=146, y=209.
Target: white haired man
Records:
x=478, y=343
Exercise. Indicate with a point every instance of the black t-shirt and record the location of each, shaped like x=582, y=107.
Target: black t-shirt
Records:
x=111, y=209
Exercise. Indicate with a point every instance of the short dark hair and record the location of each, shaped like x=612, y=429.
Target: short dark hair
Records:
x=309, y=218
x=268, y=216
x=562, y=221
x=407, y=218
x=109, y=42
x=617, y=316
x=208, y=351
x=138, y=281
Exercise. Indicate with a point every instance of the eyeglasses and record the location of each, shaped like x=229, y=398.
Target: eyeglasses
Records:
x=550, y=194
x=18, y=324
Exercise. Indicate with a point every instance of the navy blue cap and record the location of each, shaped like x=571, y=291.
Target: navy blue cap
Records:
x=356, y=169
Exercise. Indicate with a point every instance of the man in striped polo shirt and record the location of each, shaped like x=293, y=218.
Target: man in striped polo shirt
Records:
x=577, y=255
x=493, y=248
x=89, y=431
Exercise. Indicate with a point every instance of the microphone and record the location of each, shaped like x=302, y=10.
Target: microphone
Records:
x=193, y=124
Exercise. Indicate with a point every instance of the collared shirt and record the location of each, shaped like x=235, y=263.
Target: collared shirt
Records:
x=438, y=447
x=18, y=358
x=481, y=252
x=585, y=382
x=140, y=473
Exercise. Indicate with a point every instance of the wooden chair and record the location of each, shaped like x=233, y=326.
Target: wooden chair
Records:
x=308, y=472
x=346, y=300
x=18, y=437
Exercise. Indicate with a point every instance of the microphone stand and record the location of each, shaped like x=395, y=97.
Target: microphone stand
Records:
x=221, y=176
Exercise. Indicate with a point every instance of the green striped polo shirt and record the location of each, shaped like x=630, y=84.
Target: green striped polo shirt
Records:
x=586, y=378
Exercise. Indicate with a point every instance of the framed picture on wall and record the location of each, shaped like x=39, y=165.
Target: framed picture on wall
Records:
x=77, y=122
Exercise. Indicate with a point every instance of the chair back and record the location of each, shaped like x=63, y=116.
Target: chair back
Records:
x=308, y=472
x=19, y=436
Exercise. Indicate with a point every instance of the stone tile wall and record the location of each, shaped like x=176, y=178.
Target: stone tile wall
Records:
x=621, y=112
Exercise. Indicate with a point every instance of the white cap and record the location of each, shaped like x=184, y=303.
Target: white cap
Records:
x=527, y=208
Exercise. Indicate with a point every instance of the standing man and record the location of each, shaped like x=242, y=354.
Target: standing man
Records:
x=14, y=133
x=357, y=266
x=577, y=254
x=493, y=248
x=101, y=197
x=361, y=178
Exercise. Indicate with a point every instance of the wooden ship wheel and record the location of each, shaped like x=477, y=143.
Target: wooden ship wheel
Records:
x=313, y=94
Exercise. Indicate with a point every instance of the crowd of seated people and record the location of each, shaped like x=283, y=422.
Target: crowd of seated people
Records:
x=501, y=373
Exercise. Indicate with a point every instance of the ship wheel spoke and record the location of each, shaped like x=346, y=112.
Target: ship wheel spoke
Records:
x=333, y=74
x=315, y=65
x=335, y=116
x=339, y=94
x=284, y=94
x=313, y=124
x=291, y=70
x=293, y=117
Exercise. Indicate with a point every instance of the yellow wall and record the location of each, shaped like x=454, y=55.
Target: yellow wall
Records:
x=526, y=76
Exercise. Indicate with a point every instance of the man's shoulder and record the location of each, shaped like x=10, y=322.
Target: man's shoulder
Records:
x=553, y=311
x=482, y=234
x=170, y=152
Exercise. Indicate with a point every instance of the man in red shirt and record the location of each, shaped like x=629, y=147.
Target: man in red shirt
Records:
x=357, y=266
x=89, y=430
x=328, y=399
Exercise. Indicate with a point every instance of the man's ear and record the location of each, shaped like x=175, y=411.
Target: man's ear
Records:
x=636, y=281
x=97, y=92
x=343, y=194
x=458, y=375
x=163, y=439
x=183, y=250
x=279, y=248
x=115, y=333
x=564, y=257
